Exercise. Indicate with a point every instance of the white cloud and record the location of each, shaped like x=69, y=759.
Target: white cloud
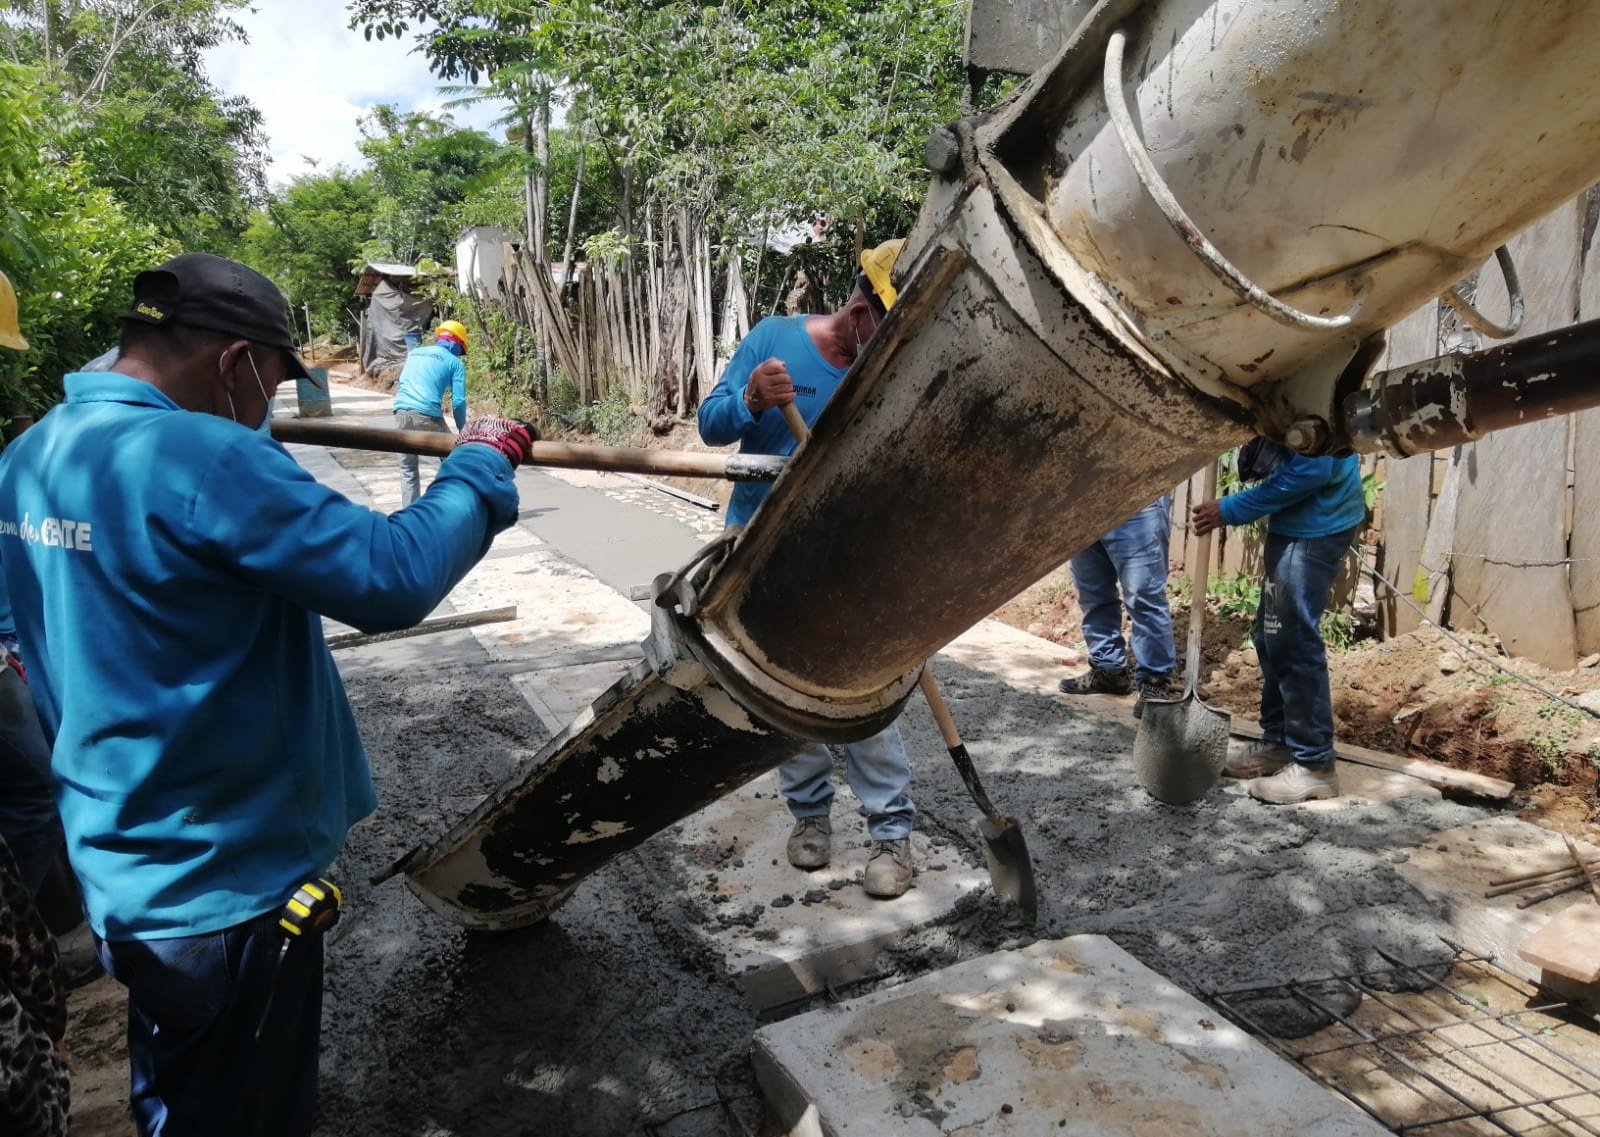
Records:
x=313, y=79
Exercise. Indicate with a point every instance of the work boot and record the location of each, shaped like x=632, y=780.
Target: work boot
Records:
x=888, y=869
x=1297, y=782
x=811, y=843
x=1260, y=759
x=1099, y=681
x=1158, y=687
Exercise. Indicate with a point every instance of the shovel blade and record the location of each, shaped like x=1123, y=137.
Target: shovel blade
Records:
x=1180, y=748
x=1010, y=867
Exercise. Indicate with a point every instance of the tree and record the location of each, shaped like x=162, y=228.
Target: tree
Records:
x=136, y=107
x=69, y=247
x=423, y=166
x=309, y=238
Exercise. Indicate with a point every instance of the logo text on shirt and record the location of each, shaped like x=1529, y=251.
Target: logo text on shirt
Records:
x=52, y=532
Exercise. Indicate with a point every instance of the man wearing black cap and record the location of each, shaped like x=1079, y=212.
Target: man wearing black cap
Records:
x=169, y=565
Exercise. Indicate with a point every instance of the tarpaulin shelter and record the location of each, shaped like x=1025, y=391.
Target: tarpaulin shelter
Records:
x=394, y=311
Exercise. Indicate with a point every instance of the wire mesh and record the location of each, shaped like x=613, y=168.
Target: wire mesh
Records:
x=1456, y=1047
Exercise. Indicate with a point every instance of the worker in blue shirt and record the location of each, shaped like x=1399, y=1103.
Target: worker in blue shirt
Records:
x=1314, y=508
x=419, y=395
x=169, y=566
x=800, y=360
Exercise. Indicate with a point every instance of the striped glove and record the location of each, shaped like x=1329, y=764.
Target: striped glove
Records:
x=512, y=438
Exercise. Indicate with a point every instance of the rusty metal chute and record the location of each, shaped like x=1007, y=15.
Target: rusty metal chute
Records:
x=1194, y=225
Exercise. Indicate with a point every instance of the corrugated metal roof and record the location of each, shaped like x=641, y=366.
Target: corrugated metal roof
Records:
x=375, y=271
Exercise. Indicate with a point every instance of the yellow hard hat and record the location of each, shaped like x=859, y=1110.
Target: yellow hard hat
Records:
x=10, y=332
x=877, y=264
x=455, y=330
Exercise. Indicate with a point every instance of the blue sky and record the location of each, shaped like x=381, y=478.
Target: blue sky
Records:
x=313, y=78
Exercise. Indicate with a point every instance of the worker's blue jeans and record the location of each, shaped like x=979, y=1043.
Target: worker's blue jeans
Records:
x=879, y=775
x=28, y=819
x=196, y=1067
x=1133, y=554
x=1296, y=705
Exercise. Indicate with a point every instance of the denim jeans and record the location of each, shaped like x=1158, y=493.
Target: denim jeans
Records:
x=410, y=477
x=879, y=774
x=196, y=1067
x=1133, y=554
x=28, y=819
x=1296, y=705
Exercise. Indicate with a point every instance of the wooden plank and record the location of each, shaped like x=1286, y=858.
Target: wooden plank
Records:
x=1569, y=944
x=1434, y=773
x=1509, y=573
x=1407, y=484
x=427, y=627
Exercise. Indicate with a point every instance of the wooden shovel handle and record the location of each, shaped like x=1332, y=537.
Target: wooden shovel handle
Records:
x=797, y=425
x=940, y=709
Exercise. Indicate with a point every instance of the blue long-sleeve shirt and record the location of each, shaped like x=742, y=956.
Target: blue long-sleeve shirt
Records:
x=1302, y=497
x=168, y=572
x=723, y=417
x=428, y=372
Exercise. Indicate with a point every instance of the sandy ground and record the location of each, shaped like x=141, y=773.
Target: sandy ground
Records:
x=614, y=1016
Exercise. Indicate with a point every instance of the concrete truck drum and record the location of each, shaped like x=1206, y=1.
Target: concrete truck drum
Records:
x=1191, y=227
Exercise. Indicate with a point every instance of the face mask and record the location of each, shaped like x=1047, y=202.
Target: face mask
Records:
x=265, y=425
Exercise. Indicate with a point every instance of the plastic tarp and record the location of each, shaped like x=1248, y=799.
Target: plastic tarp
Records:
x=390, y=316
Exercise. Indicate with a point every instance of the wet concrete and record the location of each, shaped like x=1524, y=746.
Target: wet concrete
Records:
x=615, y=1017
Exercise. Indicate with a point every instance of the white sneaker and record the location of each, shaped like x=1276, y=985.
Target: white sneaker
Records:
x=1296, y=783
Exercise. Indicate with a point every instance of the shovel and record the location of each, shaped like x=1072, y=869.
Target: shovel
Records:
x=1181, y=744
x=1010, y=867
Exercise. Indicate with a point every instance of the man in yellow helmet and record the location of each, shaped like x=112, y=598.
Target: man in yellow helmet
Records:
x=419, y=395
x=801, y=360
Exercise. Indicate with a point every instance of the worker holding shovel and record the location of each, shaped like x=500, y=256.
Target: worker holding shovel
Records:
x=800, y=360
x=1314, y=507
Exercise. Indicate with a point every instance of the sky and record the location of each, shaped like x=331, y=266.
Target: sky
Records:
x=313, y=78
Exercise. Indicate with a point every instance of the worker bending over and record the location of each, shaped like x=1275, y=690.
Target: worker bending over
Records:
x=800, y=360
x=169, y=567
x=419, y=395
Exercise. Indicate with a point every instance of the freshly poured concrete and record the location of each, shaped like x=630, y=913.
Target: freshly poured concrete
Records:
x=1066, y=1038
x=784, y=933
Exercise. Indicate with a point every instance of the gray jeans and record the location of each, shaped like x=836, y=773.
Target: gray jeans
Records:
x=410, y=482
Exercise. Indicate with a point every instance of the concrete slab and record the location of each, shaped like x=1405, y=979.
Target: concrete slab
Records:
x=1036, y=665
x=783, y=933
x=1456, y=866
x=1066, y=1037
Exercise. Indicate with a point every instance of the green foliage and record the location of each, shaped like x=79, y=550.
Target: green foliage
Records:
x=131, y=103
x=751, y=115
x=1339, y=629
x=1238, y=595
x=611, y=419
x=423, y=168
x=1371, y=489
x=70, y=248
x=308, y=239
x=1551, y=742
x=563, y=394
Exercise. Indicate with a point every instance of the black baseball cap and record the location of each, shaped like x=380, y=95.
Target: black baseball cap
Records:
x=202, y=290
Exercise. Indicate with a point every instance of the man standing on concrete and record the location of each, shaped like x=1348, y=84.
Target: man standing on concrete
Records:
x=1134, y=555
x=1314, y=508
x=169, y=566
x=419, y=395
x=800, y=360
